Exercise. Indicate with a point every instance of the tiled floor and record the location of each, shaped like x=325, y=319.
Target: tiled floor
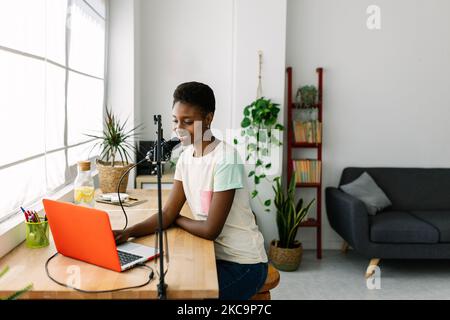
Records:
x=340, y=276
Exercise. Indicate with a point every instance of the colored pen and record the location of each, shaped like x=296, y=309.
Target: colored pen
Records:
x=31, y=215
x=27, y=218
x=35, y=219
x=37, y=216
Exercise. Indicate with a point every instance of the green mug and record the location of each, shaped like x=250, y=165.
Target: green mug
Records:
x=37, y=234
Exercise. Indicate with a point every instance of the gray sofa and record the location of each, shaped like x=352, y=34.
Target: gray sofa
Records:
x=416, y=226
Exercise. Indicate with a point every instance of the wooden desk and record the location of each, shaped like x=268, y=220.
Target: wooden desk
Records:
x=191, y=275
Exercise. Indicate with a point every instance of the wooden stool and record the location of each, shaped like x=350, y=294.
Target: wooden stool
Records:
x=272, y=280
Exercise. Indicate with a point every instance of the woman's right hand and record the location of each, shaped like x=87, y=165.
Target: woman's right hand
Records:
x=121, y=236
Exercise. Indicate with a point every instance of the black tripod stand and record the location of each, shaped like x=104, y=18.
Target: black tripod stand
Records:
x=162, y=286
x=156, y=156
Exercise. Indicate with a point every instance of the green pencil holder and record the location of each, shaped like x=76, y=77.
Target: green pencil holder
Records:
x=37, y=234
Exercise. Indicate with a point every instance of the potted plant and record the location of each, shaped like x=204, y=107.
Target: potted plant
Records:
x=114, y=144
x=286, y=253
x=306, y=96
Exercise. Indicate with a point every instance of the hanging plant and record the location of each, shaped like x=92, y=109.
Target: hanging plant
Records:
x=260, y=119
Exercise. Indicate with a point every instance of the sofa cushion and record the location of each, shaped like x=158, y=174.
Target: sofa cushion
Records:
x=366, y=190
x=409, y=189
x=401, y=227
x=439, y=220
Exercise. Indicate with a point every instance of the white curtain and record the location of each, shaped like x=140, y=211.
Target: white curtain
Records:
x=52, y=62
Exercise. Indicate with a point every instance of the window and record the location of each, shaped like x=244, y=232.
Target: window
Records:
x=52, y=80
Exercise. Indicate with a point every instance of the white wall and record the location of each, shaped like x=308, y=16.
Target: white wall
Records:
x=137, y=63
x=386, y=100
x=260, y=25
x=184, y=41
x=122, y=87
x=215, y=42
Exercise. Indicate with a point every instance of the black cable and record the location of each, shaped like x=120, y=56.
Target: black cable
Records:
x=150, y=278
x=118, y=190
x=142, y=265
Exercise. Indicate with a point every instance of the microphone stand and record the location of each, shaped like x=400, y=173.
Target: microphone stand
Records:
x=161, y=286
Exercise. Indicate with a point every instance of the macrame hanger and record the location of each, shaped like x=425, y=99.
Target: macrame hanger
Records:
x=259, y=89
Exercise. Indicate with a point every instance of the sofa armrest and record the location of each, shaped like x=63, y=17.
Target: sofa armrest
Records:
x=348, y=216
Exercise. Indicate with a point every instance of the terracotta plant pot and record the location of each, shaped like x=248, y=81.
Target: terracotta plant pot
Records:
x=285, y=259
x=109, y=176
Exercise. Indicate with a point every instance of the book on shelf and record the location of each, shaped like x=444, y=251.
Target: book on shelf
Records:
x=307, y=131
x=308, y=170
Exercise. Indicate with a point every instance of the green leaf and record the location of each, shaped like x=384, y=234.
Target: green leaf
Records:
x=254, y=193
x=258, y=162
x=235, y=141
x=4, y=271
x=251, y=173
x=262, y=103
x=265, y=152
x=279, y=126
x=17, y=294
x=275, y=110
x=270, y=121
x=262, y=136
x=257, y=180
x=274, y=140
x=268, y=202
x=299, y=205
x=245, y=122
x=268, y=166
x=251, y=132
x=247, y=111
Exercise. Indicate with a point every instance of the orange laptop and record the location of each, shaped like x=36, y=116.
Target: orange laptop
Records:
x=85, y=234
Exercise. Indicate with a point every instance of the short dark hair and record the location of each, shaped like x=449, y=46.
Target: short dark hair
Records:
x=196, y=94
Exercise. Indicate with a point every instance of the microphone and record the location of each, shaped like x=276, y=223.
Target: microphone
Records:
x=166, y=150
x=171, y=144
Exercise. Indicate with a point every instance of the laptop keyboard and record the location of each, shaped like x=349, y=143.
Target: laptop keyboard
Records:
x=126, y=258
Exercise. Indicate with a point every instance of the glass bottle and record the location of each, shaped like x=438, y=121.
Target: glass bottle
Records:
x=84, y=185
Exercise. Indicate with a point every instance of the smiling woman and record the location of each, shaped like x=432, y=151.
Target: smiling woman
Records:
x=209, y=175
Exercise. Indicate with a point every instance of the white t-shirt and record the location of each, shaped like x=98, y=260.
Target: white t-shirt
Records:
x=221, y=169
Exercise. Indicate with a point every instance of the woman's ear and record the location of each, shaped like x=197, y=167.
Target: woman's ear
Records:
x=209, y=118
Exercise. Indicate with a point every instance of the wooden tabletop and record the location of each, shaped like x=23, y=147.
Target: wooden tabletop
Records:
x=191, y=274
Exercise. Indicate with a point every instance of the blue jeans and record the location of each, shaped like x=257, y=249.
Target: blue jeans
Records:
x=240, y=281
